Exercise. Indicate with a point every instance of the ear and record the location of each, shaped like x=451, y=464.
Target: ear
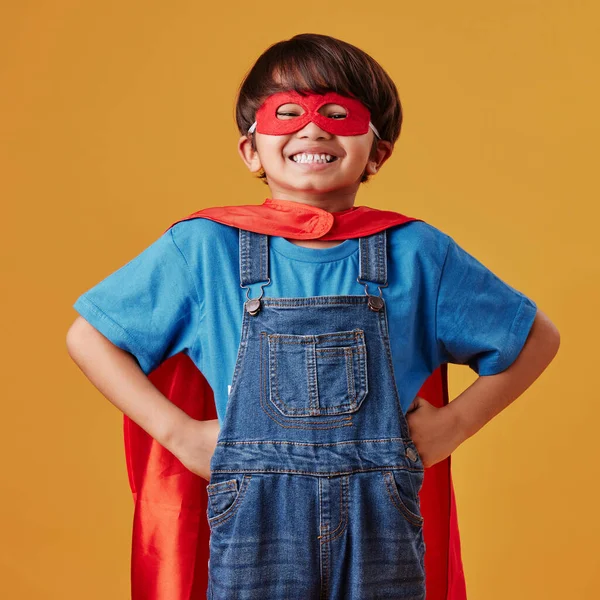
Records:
x=383, y=152
x=248, y=154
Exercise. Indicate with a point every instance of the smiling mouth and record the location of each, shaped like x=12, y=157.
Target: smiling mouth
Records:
x=313, y=162
x=314, y=166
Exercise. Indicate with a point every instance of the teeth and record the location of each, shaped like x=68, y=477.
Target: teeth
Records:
x=310, y=158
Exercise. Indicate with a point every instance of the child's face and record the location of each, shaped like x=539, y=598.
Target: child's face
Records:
x=337, y=181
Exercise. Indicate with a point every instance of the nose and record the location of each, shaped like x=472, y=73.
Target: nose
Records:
x=313, y=131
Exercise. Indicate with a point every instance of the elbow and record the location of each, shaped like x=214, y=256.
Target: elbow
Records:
x=544, y=330
x=556, y=338
x=72, y=338
x=79, y=329
x=552, y=333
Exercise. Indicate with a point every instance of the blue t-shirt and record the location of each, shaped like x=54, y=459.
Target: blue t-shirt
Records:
x=183, y=294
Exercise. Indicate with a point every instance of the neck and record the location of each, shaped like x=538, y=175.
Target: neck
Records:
x=330, y=203
x=315, y=243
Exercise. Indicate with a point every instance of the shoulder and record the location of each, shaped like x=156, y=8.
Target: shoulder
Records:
x=421, y=239
x=193, y=234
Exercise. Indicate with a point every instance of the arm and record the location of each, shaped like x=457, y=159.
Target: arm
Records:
x=118, y=376
x=437, y=432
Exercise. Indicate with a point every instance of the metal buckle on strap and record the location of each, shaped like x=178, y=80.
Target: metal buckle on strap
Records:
x=252, y=305
x=375, y=302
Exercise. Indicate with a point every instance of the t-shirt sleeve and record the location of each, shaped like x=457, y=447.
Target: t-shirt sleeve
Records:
x=481, y=321
x=149, y=307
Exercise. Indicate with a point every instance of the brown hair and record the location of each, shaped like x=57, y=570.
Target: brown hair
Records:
x=321, y=63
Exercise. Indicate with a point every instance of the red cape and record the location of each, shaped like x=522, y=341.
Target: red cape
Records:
x=170, y=545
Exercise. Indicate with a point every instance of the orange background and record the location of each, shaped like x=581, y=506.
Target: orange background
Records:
x=116, y=119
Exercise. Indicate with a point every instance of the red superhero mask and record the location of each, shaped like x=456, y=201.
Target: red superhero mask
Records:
x=356, y=122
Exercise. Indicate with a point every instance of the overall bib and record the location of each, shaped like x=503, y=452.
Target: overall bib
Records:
x=315, y=480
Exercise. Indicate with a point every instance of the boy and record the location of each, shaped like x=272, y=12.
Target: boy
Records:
x=311, y=461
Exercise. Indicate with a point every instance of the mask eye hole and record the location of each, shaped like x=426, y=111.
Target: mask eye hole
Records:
x=289, y=111
x=333, y=111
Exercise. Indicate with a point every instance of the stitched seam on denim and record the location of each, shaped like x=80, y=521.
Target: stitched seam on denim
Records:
x=317, y=338
x=327, y=537
x=279, y=442
x=343, y=508
x=244, y=253
x=327, y=559
x=320, y=473
x=367, y=260
x=343, y=496
x=263, y=256
x=240, y=354
x=221, y=486
x=274, y=380
x=312, y=378
x=324, y=553
x=315, y=301
x=320, y=491
x=382, y=257
x=364, y=366
x=350, y=373
x=384, y=332
x=332, y=349
x=336, y=350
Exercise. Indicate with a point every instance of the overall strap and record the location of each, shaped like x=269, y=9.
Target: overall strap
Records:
x=372, y=258
x=254, y=257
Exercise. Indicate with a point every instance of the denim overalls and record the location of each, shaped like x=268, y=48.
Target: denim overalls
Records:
x=314, y=488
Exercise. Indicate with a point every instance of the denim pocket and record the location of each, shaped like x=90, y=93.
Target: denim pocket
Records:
x=403, y=488
x=225, y=498
x=314, y=375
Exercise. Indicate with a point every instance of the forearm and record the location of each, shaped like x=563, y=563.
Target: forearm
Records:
x=491, y=394
x=117, y=375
